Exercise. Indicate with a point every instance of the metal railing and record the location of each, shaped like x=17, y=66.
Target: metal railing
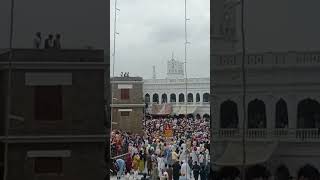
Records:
x=281, y=134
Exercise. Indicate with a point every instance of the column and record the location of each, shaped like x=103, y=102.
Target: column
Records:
x=270, y=112
x=292, y=111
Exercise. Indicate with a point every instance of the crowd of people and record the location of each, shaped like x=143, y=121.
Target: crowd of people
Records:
x=184, y=154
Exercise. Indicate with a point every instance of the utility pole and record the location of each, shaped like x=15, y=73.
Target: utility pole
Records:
x=185, y=61
x=244, y=91
x=115, y=33
x=8, y=99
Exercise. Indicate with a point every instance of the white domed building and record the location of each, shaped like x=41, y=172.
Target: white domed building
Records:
x=174, y=96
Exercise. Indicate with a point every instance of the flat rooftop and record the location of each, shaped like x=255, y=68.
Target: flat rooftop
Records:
x=53, y=55
x=127, y=79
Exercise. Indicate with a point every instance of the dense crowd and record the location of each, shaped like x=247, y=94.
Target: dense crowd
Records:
x=184, y=155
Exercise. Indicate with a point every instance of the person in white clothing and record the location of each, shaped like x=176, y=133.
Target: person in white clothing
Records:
x=185, y=171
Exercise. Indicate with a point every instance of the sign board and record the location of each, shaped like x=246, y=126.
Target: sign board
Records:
x=168, y=132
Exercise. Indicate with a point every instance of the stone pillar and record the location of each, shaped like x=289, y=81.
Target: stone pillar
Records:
x=270, y=112
x=215, y=112
x=240, y=111
x=292, y=105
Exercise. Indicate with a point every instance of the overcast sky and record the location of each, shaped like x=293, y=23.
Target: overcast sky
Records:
x=150, y=30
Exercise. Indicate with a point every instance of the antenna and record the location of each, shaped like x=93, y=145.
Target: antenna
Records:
x=185, y=59
x=115, y=33
x=154, y=72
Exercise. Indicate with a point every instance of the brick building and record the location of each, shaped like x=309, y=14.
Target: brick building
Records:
x=128, y=105
x=57, y=114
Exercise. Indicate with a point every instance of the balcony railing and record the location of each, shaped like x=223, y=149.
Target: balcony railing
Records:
x=284, y=134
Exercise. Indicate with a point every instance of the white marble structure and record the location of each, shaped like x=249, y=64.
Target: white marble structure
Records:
x=173, y=90
x=282, y=106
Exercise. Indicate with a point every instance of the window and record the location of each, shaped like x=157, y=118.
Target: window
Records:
x=48, y=103
x=125, y=94
x=125, y=113
x=44, y=165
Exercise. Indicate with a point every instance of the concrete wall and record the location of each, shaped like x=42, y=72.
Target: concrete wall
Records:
x=83, y=106
x=135, y=96
x=85, y=162
x=132, y=123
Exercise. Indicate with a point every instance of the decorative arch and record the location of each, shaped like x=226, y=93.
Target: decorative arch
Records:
x=197, y=97
x=308, y=114
x=173, y=98
x=155, y=98
x=147, y=98
x=206, y=116
x=309, y=172
x=164, y=98
x=281, y=114
x=257, y=171
x=282, y=172
x=257, y=114
x=190, y=97
x=229, y=114
x=206, y=97
x=229, y=172
x=181, y=97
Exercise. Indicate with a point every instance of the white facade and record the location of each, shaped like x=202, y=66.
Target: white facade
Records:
x=282, y=104
x=288, y=77
x=173, y=90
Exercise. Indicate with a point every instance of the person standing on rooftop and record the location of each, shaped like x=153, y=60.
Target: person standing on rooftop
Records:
x=48, y=43
x=37, y=40
x=56, y=42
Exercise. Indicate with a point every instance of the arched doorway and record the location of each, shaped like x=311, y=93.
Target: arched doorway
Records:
x=197, y=97
x=281, y=114
x=147, y=98
x=228, y=172
x=173, y=98
x=164, y=98
x=206, y=116
x=257, y=172
x=190, y=97
x=257, y=114
x=198, y=116
x=229, y=115
x=282, y=173
x=206, y=97
x=181, y=97
x=190, y=116
x=308, y=172
x=155, y=98
x=308, y=114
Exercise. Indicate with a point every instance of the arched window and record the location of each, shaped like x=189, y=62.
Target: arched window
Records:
x=229, y=115
x=197, y=97
x=308, y=114
x=181, y=97
x=147, y=98
x=308, y=171
x=257, y=114
x=281, y=114
x=155, y=98
x=190, y=97
x=173, y=98
x=164, y=98
x=206, y=97
x=206, y=116
x=282, y=172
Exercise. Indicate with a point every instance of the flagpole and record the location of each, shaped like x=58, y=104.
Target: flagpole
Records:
x=8, y=99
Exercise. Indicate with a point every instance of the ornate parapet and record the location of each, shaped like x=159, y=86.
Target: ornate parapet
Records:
x=266, y=59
